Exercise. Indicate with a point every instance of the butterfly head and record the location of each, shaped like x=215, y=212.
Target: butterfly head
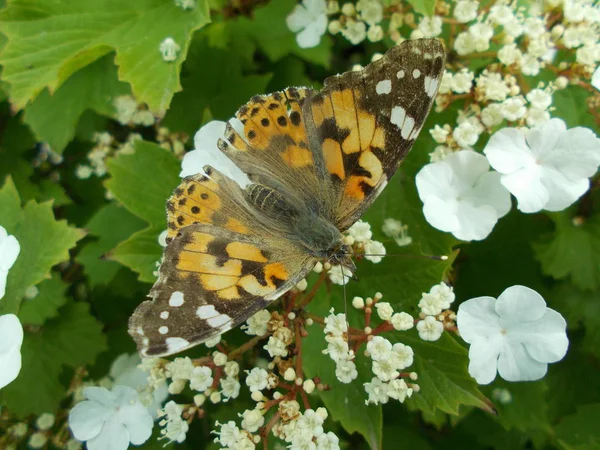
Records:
x=341, y=255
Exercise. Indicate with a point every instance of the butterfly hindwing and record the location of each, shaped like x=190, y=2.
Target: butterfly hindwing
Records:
x=366, y=121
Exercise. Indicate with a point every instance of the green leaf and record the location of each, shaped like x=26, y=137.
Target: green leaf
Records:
x=70, y=34
x=44, y=243
x=443, y=377
x=571, y=106
x=425, y=7
x=70, y=340
x=143, y=181
x=111, y=225
x=45, y=304
x=345, y=402
x=222, y=87
x=53, y=118
x=572, y=251
x=268, y=31
x=528, y=407
x=580, y=431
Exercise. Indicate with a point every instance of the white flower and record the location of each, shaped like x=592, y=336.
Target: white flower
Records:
x=493, y=85
x=510, y=54
x=180, y=368
x=446, y=83
x=169, y=49
x=466, y=134
x=481, y=34
x=374, y=251
x=513, y=108
x=309, y=20
x=201, y=378
x=501, y=14
x=461, y=196
x=534, y=27
x=439, y=135
x=465, y=10
x=252, y=420
x=110, y=419
x=345, y=371
x=360, y=231
x=311, y=423
x=11, y=339
x=337, y=348
x=539, y=98
x=339, y=275
x=328, y=441
x=431, y=26
x=403, y=355
x=9, y=250
x=175, y=428
x=355, y=31
x=402, y=321
x=257, y=379
x=335, y=324
x=206, y=152
x=546, y=167
x=596, y=78
x=213, y=342
x=276, y=347
x=375, y=33
x=530, y=65
x=491, y=115
x=439, y=153
x=220, y=359
x=398, y=389
x=430, y=329
x=384, y=310
x=515, y=335
x=395, y=229
x=377, y=391
x=125, y=371
x=379, y=348
x=436, y=300
x=462, y=82
x=257, y=324
x=230, y=387
x=536, y=117
x=464, y=43
x=371, y=11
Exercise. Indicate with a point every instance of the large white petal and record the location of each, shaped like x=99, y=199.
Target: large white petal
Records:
x=515, y=364
x=562, y=192
x=113, y=436
x=544, y=339
x=87, y=418
x=3, y=278
x=483, y=359
x=298, y=19
x=9, y=250
x=474, y=222
x=436, y=180
x=311, y=35
x=596, y=78
x=467, y=166
x=441, y=214
x=100, y=395
x=508, y=152
x=477, y=319
x=138, y=422
x=488, y=190
x=543, y=138
x=3, y=233
x=11, y=339
x=526, y=185
x=315, y=7
x=520, y=304
x=576, y=154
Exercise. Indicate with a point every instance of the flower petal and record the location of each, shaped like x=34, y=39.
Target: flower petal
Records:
x=113, y=436
x=520, y=304
x=562, y=192
x=11, y=339
x=526, y=185
x=488, y=190
x=576, y=154
x=298, y=18
x=477, y=319
x=441, y=214
x=544, y=339
x=138, y=422
x=515, y=364
x=545, y=136
x=87, y=418
x=436, y=180
x=474, y=222
x=311, y=35
x=467, y=166
x=483, y=359
x=9, y=250
x=507, y=151
x=100, y=395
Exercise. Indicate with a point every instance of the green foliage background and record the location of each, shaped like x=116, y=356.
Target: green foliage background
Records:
x=92, y=260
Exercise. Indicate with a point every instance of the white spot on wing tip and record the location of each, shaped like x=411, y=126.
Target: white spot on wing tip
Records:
x=164, y=315
x=176, y=299
x=384, y=87
x=402, y=121
x=175, y=344
x=400, y=74
x=214, y=318
x=416, y=73
x=431, y=85
x=163, y=330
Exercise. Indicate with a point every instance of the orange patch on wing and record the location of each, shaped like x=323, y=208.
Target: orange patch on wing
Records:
x=321, y=111
x=250, y=284
x=366, y=128
x=371, y=163
x=205, y=263
x=344, y=108
x=231, y=293
x=275, y=270
x=248, y=252
x=217, y=282
x=353, y=188
x=332, y=153
x=297, y=157
x=378, y=140
x=236, y=226
x=199, y=242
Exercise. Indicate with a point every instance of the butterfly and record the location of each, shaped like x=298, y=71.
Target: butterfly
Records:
x=315, y=160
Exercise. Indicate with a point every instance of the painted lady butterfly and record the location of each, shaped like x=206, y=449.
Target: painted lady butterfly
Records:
x=316, y=160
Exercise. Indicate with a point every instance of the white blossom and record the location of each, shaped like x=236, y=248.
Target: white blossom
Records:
x=257, y=379
x=493, y=85
x=402, y=321
x=345, y=371
x=339, y=275
x=465, y=10
x=180, y=368
x=309, y=20
x=328, y=441
x=257, y=324
x=466, y=134
x=547, y=167
x=9, y=250
x=491, y=115
x=513, y=108
x=515, y=335
x=110, y=419
x=371, y=11
x=384, y=310
x=399, y=390
x=374, y=251
x=360, y=231
x=276, y=347
x=430, y=329
x=399, y=232
x=252, y=420
x=379, y=348
x=431, y=26
x=201, y=378
x=462, y=82
x=377, y=391
x=230, y=387
x=335, y=324
x=11, y=339
x=174, y=427
x=461, y=196
x=355, y=31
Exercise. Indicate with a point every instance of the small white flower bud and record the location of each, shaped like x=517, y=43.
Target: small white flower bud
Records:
x=358, y=303
x=308, y=386
x=177, y=386
x=334, y=27
x=257, y=396
x=348, y=9
x=45, y=421
x=215, y=397
x=38, y=440
x=309, y=322
x=199, y=399
x=290, y=374
x=220, y=359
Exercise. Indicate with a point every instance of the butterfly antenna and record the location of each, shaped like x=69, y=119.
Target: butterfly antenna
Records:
x=434, y=257
x=345, y=306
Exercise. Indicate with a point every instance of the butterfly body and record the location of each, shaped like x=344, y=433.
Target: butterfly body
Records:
x=315, y=161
